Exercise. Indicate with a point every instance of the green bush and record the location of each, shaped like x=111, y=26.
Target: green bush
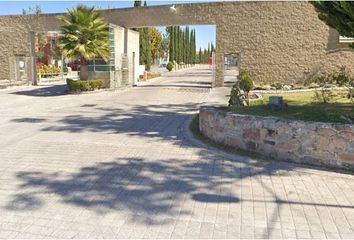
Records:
x=246, y=83
x=324, y=95
x=169, y=66
x=84, y=85
x=327, y=81
x=255, y=102
x=237, y=96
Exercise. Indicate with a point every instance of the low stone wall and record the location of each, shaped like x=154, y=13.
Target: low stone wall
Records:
x=330, y=144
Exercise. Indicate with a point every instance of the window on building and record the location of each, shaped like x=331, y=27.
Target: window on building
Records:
x=345, y=40
x=98, y=64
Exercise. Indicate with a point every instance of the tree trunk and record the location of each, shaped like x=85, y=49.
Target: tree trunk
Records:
x=83, y=69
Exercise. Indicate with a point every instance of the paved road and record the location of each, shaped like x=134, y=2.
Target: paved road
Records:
x=123, y=165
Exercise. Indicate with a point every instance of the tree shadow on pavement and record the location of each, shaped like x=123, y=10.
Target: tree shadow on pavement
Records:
x=50, y=91
x=159, y=121
x=149, y=191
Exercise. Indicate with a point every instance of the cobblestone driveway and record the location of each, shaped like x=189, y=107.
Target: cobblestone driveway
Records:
x=123, y=165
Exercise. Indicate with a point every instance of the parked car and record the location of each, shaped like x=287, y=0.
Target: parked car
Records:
x=163, y=64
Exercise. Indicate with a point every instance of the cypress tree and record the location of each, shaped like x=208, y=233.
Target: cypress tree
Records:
x=206, y=57
x=200, y=60
x=187, y=45
x=176, y=43
x=141, y=47
x=208, y=54
x=184, y=46
x=209, y=50
x=212, y=47
x=178, y=56
x=190, y=47
x=194, y=49
x=169, y=31
x=172, y=44
x=148, y=50
x=180, y=45
x=137, y=3
x=145, y=46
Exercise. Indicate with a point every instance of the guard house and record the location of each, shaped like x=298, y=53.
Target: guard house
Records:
x=122, y=68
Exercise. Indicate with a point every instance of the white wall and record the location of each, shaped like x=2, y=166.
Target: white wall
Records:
x=133, y=47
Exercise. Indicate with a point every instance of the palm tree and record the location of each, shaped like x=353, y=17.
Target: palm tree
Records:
x=84, y=36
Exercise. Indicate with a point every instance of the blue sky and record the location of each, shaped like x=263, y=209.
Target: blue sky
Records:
x=204, y=34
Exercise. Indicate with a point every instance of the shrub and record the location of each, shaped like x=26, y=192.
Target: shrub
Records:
x=84, y=85
x=324, y=95
x=325, y=82
x=246, y=83
x=48, y=71
x=169, y=66
x=237, y=96
x=255, y=102
x=278, y=86
x=344, y=79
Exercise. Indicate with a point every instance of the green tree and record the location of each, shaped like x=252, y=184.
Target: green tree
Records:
x=212, y=48
x=338, y=15
x=170, y=43
x=155, y=42
x=193, y=47
x=181, y=45
x=177, y=44
x=145, y=46
x=200, y=56
x=84, y=35
x=186, y=45
x=207, y=54
x=148, y=51
x=36, y=10
x=176, y=49
x=137, y=3
x=164, y=46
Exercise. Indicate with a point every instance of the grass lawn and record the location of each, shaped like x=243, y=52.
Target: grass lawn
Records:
x=302, y=106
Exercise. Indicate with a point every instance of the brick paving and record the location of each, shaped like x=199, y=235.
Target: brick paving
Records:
x=123, y=165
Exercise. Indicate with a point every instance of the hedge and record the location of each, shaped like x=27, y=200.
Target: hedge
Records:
x=84, y=85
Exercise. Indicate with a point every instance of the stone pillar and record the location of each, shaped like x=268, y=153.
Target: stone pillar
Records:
x=219, y=69
x=219, y=59
x=32, y=62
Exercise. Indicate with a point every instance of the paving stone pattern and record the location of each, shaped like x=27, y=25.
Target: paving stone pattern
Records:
x=123, y=165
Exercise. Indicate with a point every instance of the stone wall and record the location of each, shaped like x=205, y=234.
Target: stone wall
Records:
x=330, y=144
x=277, y=41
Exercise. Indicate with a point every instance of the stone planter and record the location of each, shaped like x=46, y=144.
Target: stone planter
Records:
x=330, y=144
